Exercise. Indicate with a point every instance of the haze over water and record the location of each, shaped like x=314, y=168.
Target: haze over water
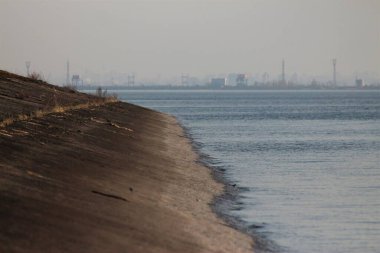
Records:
x=159, y=39
x=309, y=159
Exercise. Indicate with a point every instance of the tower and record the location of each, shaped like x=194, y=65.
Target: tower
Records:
x=283, y=72
x=68, y=73
x=27, y=64
x=334, y=71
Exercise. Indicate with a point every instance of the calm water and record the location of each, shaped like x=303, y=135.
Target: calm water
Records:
x=310, y=160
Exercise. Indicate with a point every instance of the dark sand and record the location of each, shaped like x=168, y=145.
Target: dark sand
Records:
x=107, y=178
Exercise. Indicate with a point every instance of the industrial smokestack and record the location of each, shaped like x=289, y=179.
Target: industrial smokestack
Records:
x=334, y=72
x=283, y=72
x=68, y=73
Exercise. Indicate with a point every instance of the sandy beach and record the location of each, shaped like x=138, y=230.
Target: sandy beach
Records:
x=101, y=177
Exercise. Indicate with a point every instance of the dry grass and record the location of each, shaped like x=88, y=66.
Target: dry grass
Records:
x=71, y=87
x=37, y=76
x=38, y=114
x=59, y=109
x=51, y=99
x=6, y=122
x=56, y=109
x=22, y=117
x=31, y=97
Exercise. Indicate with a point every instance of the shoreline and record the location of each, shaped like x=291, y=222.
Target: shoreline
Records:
x=110, y=178
x=223, y=186
x=229, y=199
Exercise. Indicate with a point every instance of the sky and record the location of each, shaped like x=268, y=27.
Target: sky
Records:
x=164, y=38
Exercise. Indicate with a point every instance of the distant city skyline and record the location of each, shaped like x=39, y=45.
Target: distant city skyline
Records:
x=294, y=78
x=158, y=40
x=129, y=78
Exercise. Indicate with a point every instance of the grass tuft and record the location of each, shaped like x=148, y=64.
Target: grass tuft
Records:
x=56, y=109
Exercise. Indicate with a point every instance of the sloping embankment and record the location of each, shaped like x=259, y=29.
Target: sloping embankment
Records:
x=106, y=178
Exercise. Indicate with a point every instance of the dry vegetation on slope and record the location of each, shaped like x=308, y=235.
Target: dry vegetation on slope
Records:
x=22, y=98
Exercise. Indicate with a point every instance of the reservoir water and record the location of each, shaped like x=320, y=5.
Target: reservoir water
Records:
x=310, y=160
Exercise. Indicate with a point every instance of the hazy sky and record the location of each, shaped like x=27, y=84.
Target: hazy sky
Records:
x=158, y=37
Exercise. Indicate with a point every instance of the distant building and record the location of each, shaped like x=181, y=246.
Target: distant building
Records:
x=241, y=80
x=359, y=83
x=314, y=83
x=231, y=79
x=218, y=82
x=76, y=81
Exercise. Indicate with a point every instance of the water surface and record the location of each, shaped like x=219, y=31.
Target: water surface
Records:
x=309, y=159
